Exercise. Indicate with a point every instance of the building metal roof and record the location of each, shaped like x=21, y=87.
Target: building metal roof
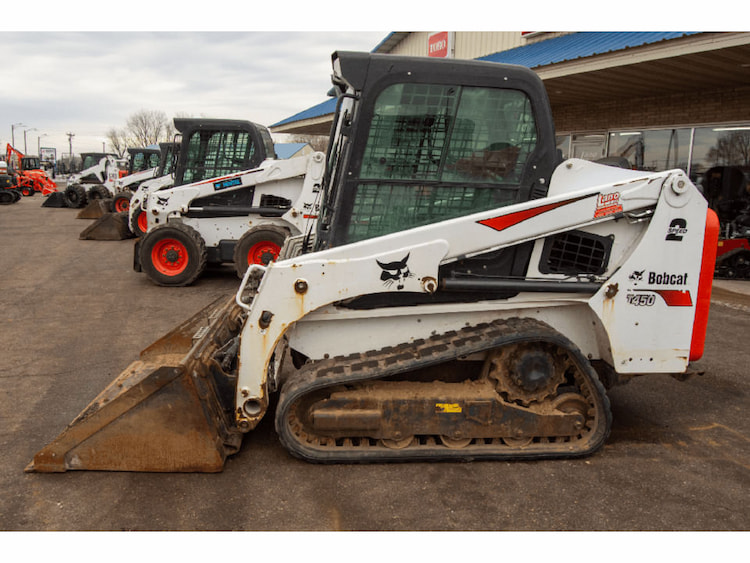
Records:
x=577, y=46
x=569, y=47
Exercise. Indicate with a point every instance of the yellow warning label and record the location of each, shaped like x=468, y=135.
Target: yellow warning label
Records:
x=447, y=407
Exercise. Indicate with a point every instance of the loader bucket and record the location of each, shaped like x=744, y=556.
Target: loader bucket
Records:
x=170, y=411
x=95, y=209
x=110, y=226
x=55, y=199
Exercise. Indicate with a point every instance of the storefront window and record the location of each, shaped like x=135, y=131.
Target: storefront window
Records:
x=653, y=150
x=719, y=146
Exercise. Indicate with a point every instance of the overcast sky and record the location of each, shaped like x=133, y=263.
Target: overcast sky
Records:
x=88, y=82
x=92, y=78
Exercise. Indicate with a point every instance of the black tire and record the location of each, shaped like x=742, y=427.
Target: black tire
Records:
x=173, y=255
x=75, y=196
x=98, y=192
x=133, y=218
x=7, y=197
x=262, y=242
x=121, y=202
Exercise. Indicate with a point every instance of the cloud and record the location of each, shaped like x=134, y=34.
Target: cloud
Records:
x=89, y=82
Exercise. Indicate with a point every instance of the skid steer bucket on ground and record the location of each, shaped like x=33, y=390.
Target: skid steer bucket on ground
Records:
x=170, y=411
x=109, y=226
x=55, y=199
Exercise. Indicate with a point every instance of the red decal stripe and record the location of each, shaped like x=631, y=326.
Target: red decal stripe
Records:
x=675, y=297
x=504, y=221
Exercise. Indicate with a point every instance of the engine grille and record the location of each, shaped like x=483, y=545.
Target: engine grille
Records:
x=575, y=252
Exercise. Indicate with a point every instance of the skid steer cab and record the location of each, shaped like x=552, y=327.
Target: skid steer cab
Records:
x=467, y=294
x=232, y=202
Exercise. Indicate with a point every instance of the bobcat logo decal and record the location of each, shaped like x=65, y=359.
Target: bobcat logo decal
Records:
x=395, y=272
x=162, y=200
x=636, y=276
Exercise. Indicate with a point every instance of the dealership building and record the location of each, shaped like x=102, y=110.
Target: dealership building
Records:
x=661, y=100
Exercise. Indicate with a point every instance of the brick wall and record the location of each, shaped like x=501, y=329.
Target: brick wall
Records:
x=718, y=106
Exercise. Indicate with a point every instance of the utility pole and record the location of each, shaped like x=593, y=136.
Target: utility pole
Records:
x=70, y=154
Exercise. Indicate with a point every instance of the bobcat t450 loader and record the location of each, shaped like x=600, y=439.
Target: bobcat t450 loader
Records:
x=469, y=296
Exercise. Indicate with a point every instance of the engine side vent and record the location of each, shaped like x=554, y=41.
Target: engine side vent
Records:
x=575, y=252
x=268, y=200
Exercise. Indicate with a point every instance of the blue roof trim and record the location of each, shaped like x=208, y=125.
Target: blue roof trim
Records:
x=386, y=38
x=323, y=108
x=578, y=46
x=287, y=150
x=549, y=51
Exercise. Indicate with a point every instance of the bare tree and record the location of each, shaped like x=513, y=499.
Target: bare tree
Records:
x=317, y=142
x=147, y=127
x=118, y=140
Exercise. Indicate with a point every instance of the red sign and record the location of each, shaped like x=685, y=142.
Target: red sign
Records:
x=437, y=45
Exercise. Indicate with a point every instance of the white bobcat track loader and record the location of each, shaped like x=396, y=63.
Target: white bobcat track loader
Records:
x=232, y=202
x=468, y=296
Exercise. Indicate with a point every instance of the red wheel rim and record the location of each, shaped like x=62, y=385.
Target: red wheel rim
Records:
x=122, y=205
x=169, y=257
x=142, y=222
x=263, y=252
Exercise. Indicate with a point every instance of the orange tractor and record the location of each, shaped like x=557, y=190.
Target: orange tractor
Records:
x=26, y=171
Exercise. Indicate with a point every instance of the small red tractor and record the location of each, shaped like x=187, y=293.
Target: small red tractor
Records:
x=27, y=173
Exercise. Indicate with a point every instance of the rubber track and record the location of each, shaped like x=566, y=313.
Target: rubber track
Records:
x=422, y=353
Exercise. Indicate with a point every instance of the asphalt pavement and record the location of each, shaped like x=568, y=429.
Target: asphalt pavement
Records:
x=74, y=314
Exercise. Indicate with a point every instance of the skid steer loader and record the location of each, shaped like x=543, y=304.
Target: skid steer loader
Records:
x=232, y=201
x=95, y=180
x=143, y=165
x=112, y=216
x=163, y=179
x=468, y=295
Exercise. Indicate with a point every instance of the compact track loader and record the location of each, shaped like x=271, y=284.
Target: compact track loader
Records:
x=466, y=294
x=232, y=201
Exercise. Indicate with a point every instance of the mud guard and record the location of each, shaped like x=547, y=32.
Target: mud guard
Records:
x=109, y=226
x=170, y=411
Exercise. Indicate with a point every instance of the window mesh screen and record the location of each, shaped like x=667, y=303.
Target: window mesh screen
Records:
x=212, y=154
x=436, y=152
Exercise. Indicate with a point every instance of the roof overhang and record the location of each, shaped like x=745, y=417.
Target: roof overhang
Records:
x=700, y=62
